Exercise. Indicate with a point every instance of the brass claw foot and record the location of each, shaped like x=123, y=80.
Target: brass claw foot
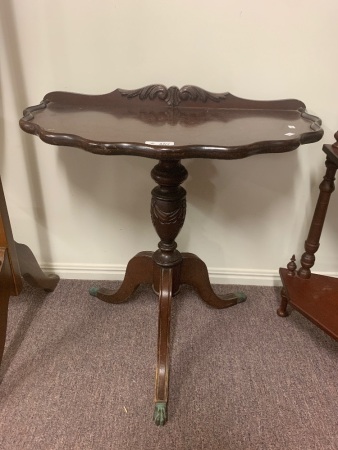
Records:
x=93, y=291
x=239, y=296
x=160, y=413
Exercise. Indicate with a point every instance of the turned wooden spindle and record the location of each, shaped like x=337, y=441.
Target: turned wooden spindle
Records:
x=168, y=207
x=311, y=246
x=292, y=266
x=336, y=138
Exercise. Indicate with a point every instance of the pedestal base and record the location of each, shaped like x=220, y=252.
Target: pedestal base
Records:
x=166, y=269
x=166, y=281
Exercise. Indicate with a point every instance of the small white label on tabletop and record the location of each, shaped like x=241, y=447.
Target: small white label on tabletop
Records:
x=289, y=134
x=291, y=126
x=162, y=143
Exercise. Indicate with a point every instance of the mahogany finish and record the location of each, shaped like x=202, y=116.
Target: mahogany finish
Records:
x=207, y=125
x=169, y=125
x=16, y=262
x=315, y=296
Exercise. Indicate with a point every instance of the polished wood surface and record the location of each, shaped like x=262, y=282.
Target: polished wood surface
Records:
x=169, y=125
x=201, y=126
x=315, y=296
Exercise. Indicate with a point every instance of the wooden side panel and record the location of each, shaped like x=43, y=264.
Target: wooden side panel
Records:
x=7, y=241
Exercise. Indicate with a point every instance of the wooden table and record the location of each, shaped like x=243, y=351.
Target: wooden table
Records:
x=315, y=296
x=169, y=125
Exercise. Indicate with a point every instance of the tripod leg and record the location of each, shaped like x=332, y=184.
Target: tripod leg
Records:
x=194, y=272
x=139, y=270
x=31, y=272
x=162, y=369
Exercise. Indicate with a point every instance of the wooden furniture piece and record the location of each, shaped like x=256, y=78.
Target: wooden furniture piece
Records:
x=169, y=125
x=314, y=296
x=16, y=262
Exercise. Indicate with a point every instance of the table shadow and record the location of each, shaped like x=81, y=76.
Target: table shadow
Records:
x=12, y=48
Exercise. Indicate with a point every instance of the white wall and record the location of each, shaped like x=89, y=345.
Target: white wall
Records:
x=85, y=215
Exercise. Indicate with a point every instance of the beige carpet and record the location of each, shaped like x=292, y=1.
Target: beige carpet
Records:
x=79, y=374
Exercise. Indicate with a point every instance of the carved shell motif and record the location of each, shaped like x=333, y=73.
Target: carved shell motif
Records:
x=172, y=95
x=336, y=137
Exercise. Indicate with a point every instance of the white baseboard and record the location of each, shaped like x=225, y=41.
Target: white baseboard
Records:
x=244, y=276
x=116, y=272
